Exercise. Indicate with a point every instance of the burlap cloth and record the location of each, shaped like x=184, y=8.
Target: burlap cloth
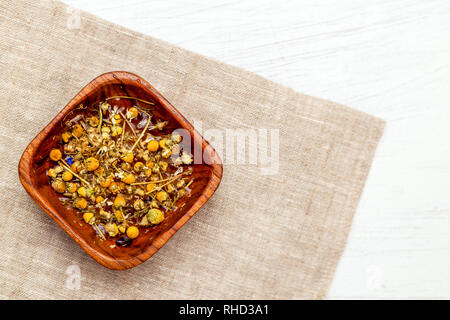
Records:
x=260, y=236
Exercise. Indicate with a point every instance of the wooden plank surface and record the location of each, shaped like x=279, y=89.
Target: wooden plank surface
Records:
x=388, y=58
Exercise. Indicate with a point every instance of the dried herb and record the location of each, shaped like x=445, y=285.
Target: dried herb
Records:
x=115, y=173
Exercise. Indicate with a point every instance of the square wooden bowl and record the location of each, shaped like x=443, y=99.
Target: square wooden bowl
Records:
x=35, y=163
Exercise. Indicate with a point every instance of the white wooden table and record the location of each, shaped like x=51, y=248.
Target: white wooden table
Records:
x=390, y=58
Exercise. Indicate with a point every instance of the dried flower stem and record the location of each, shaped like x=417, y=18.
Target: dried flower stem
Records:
x=160, y=187
x=123, y=132
x=114, y=165
x=100, y=232
x=66, y=165
x=142, y=134
x=158, y=181
x=129, y=124
x=101, y=118
x=190, y=182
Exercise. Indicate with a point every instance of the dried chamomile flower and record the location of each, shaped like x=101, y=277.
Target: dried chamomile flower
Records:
x=153, y=145
x=126, y=166
x=132, y=232
x=162, y=143
x=144, y=221
x=92, y=163
x=104, y=214
x=71, y=187
x=170, y=188
x=119, y=216
x=67, y=176
x=163, y=165
x=180, y=183
x=154, y=204
x=52, y=173
x=132, y=113
x=119, y=201
x=66, y=136
x=165, y=153
x=155, y=216
x=161, y=124
x=186, y=158
x=139, y=192
x=129, y=178
x=116, y=131
x=176, y=138
x=59, y=186
x=93, y=121
x=88, y=217
x=162, y=196
x=104, y=106
x=76, y=166
x=77, y=131
x=105, y=182
x=82, y=191
x=111, y=229
x=99, y=171
x=80, y=203
x=138, y=166
x=116, y=187
x=177, y=161
x=58, y=169
x=116, y=119
x=150, y=187
x=128, y=157
x=106, y=129
x=138, y=205
x=55, y=154
x=155, y=168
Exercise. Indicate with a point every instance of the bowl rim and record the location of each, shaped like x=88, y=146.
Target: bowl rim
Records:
x=24, y=170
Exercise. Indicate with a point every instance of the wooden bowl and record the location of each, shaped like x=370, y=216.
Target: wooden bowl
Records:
x=35, y=163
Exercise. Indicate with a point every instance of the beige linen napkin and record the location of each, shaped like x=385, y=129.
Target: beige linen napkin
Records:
x=260, y=236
